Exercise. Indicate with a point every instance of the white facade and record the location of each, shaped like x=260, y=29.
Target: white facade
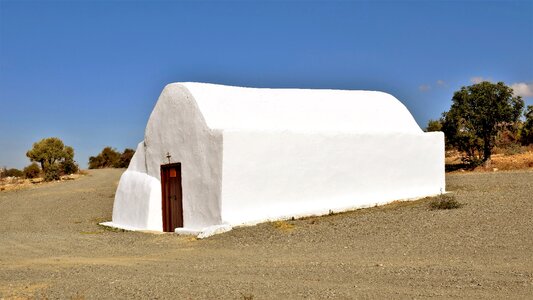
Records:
x=250, y=155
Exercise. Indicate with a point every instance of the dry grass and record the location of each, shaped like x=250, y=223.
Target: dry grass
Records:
x=14, y=183
x=513, y=162
x=444, y=202
x=500, y=161
x=283, y=225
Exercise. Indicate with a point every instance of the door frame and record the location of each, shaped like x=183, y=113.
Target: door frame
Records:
x=167, y=212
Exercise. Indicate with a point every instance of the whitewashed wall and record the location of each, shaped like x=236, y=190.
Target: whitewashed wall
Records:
x=137, y=203
x=272, y=175
x=176, y=127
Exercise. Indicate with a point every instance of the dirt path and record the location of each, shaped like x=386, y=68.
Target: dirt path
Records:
x=51, y=247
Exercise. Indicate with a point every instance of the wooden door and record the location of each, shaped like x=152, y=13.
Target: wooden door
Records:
x=172, y=197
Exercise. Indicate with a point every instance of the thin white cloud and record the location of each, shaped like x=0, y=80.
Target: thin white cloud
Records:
x=523, y=89
x=441, y=82
x=424, y=88
x=478, y=79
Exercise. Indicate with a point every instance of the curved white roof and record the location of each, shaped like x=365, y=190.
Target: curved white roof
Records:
x=311, y=110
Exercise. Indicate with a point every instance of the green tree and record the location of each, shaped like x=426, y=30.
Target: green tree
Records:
x=108, y=158
x=50, y=151
x=526, y=136
x=434, y=125
x=477, y=113
x=53, y=156
x=125, y=158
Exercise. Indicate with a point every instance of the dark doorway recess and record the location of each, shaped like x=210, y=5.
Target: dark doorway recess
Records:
x=172, y=203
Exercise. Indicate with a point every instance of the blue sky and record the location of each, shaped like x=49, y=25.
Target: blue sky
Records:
x=90, y=72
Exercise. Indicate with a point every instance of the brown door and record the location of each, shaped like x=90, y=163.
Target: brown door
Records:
x=171, y=201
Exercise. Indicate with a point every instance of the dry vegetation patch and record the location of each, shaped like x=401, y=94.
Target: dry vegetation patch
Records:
x=283, y=225
x=513, y=162
x=15, y=183
x=501, y=161
x=444, y=201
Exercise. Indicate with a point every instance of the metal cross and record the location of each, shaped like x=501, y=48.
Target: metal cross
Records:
x=168, y=156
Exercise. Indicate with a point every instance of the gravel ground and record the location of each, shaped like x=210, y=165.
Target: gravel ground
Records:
x=51, y=247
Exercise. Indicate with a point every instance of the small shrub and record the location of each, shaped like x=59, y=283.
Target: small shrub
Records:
x=12, y=173
x=471, y=162
x=444, y=201
x=247, y=296
x=68, y=167
x=32, y=171
x=513, y=149
x=52, y=172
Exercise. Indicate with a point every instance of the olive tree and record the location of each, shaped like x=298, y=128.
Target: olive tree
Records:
x=111, y=158
x=105, y=159
x=49, y=153
x=477, y=113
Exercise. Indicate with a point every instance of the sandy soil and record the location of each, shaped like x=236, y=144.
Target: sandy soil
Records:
x=51, y=247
